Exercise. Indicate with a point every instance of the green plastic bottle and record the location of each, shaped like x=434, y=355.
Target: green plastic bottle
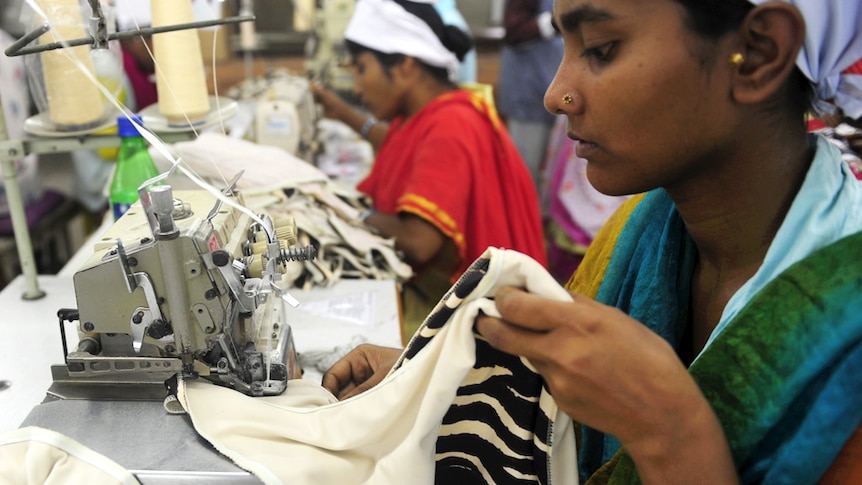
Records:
x=134, y=166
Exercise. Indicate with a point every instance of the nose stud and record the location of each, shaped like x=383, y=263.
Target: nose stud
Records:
x=737, y=59
x=567, y=99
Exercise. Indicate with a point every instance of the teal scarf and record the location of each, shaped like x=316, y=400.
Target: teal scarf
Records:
x=784, y=377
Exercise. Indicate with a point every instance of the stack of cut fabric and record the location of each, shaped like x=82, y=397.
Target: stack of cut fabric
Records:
x=329, y=220
x=281, y=185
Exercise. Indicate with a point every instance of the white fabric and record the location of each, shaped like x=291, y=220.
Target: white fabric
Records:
x=216, y=157
x=41, y=456
x=345, y=246
x=323, y=211
x=387, y=27
x=387, y=434
x=825, y=210
x=832, y=44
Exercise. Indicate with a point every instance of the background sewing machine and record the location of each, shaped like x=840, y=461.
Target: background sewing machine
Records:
x=278, y=109
x=183, y=283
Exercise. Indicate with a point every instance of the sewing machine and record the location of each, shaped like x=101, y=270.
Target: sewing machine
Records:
x=284, y=112
x=184, y=283
x=197, y=261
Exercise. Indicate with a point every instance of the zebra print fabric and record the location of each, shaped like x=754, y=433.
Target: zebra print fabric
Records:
x=499, y=428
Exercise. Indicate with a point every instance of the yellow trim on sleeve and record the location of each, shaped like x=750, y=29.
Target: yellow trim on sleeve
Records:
x=424, y=208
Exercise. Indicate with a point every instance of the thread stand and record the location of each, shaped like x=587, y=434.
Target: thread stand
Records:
x=11, y=150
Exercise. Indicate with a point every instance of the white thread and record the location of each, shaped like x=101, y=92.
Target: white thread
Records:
x=73, y=101
x=180, y=80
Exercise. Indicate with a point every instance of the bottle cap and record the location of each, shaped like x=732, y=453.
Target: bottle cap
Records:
x=125, y=126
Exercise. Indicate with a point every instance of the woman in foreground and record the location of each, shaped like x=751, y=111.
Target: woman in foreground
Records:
x=715, y=334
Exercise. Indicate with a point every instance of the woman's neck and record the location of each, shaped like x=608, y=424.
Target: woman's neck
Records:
x=734, y=218
x=733, y=222
x=422, y=94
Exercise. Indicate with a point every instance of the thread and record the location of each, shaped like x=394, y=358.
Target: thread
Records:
x=247, y=31
x=303, y=15
x=180, y=79
x=247, y=36
x=74, y=101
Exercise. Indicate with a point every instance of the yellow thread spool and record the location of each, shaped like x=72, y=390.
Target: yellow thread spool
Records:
x=74, y=101
x=180, y=80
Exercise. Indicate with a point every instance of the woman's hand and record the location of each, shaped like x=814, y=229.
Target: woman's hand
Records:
x=337, y=108
x=334, y=106
x=361, y=369
x=612, y=373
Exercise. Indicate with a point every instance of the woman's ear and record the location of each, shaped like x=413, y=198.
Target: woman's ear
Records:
x=407, y=68
x=772, y=34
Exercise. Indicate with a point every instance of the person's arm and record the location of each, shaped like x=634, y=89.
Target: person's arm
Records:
x=361, y=369
x=847, y=467
x=417, y=238
x=612, y=373
x=523, y=22
x=336, y=108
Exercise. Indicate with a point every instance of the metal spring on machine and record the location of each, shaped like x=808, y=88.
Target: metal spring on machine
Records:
x=306, y=253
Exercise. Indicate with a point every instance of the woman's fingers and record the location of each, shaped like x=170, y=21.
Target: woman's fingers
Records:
x=362, y=368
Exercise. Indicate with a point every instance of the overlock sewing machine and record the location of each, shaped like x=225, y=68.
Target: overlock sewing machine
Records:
x=183, y=283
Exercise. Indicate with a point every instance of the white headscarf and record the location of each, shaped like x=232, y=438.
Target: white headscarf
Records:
x=385, y=26
x=833, y=42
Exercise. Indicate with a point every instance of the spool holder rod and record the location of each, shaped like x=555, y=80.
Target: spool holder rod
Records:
x=20, y=229
x=20, y=47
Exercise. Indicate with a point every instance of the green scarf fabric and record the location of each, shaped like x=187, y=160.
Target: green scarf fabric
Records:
x=784, y=377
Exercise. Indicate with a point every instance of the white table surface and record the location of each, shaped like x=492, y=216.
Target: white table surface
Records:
x=30, y=344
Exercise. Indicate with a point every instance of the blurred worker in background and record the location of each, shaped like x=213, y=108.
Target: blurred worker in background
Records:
x=447, y=181
x=140, y=69
x=532, y=50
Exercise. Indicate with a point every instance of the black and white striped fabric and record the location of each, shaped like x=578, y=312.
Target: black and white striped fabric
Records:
x=499, y=428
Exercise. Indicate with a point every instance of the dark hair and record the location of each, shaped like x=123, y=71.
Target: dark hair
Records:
x=453, y=38
x=713, y=18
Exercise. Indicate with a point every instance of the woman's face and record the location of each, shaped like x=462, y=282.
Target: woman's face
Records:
x=375, y=89
x=648, y=100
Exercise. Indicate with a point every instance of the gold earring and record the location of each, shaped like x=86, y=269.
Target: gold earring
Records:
x=737, y=59
x=567, y=99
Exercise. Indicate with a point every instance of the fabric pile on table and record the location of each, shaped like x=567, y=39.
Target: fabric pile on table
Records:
x=281, y=185
x=346, y=248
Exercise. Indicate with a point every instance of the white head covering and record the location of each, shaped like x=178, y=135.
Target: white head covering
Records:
x=133, y=14
x=832, y=44
x=385, y=26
